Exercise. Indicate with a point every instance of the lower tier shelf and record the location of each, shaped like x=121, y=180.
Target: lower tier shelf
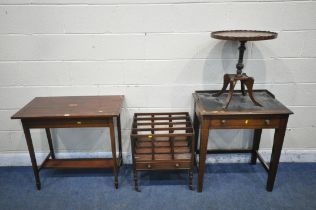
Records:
x=78, y=163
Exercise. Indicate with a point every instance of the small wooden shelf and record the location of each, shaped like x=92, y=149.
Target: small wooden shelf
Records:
x=78, y=163
x=162, y=141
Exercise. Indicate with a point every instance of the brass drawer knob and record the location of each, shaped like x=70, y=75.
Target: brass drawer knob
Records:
x=267, y=122
x=148, y=166
x=223, y=121
x=246, y=122
x=79, y=123
x=177, y=165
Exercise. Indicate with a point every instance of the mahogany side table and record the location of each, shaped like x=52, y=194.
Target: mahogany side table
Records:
x=72, y=112
x=231, y=79
x=208, y=115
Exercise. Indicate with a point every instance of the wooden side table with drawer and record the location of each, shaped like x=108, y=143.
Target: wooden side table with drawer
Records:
x=73, y=112
x=162, y=141
x=241, y=114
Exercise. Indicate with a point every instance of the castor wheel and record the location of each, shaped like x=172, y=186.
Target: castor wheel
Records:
x=38, y=185
x=137, y=189
x=116, y=185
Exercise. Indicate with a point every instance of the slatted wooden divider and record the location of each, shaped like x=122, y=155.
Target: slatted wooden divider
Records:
x=162, y=141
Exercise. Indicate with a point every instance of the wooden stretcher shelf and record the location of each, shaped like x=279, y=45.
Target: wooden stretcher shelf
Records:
x=78, y=163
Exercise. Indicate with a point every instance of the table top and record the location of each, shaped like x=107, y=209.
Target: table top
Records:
x=244, y=35
x=207, y=104
x=71, y=107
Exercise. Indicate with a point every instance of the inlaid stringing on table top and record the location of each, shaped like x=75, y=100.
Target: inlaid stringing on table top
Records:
x=71, y=107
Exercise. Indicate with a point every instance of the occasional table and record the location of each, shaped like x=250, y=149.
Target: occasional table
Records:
x=72, y=112
x=241, y=114
x=231, y=79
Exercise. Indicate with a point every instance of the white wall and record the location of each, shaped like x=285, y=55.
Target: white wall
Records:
x=156, y=53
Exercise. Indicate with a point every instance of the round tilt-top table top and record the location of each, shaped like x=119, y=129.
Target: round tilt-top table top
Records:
x=244, y=35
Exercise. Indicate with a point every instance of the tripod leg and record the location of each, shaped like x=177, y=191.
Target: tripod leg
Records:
x=242, y=85
x=225, y=85
x=232, y=83
x=249, y=84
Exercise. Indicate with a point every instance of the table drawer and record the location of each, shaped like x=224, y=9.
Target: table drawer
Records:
x=67, y=123
x=163, y=165
x=245, y=123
